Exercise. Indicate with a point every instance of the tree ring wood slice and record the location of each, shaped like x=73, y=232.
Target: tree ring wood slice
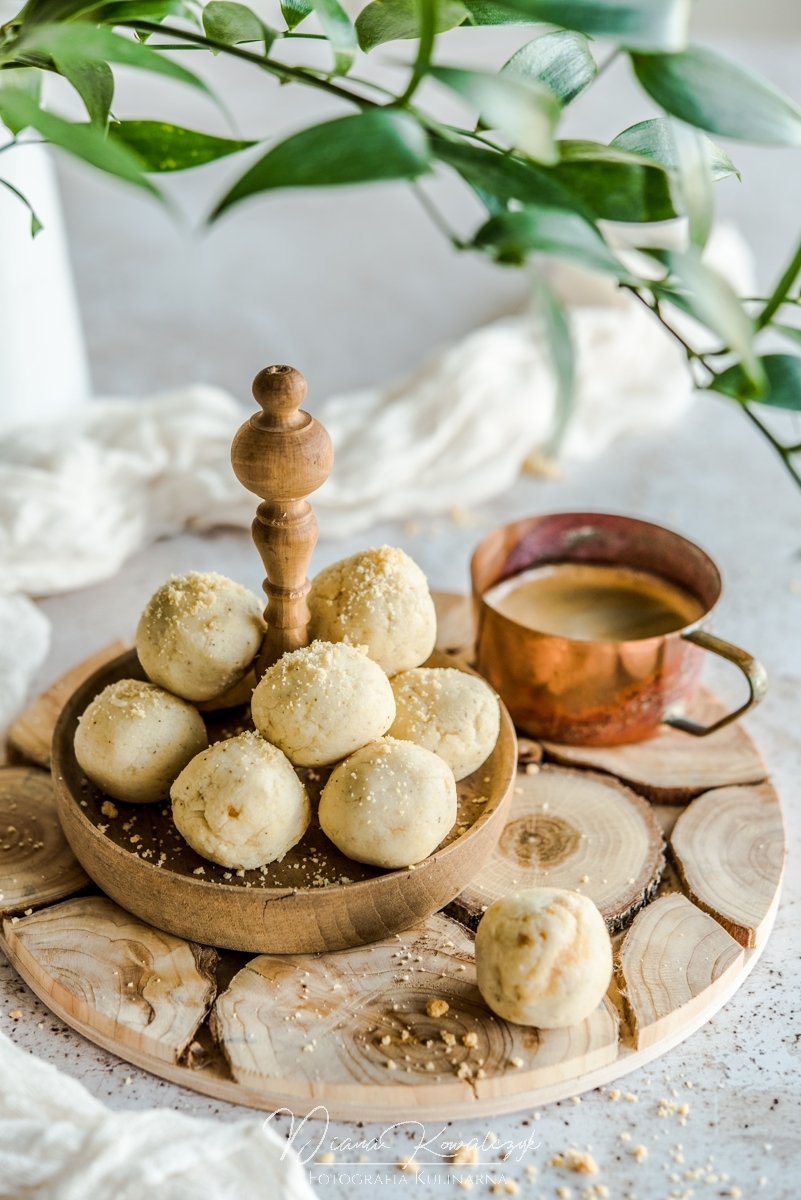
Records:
x=353, y=1027
x=144, y=988
x=314, y=899
x=37, y=865
x=672, y=961
x=576, y=830
x=673, y=767
x=729, y=848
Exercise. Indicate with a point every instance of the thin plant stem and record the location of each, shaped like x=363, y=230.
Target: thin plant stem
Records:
x=428, y=34
x=436, y=216
x=782, y=288
x=784, y=452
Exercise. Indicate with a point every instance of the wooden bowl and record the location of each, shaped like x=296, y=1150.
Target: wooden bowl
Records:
x=315, y=899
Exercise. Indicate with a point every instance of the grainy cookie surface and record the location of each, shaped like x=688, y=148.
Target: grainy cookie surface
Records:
x=449, y=712
x=322, y=702
x=134, y=738
x=378, y=598
x=199, y=634
x=240, y=803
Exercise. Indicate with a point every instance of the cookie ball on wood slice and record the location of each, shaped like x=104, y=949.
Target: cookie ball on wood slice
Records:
x=378, y=598
x=576, y=830
x=322, y=702
x=449, y=712
x=543, y=958
x=199, y=634
x=135, y=738
x=240, y=803
x=390, y=804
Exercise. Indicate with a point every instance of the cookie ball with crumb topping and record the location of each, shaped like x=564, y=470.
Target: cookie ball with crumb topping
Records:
x=322, y=702
x=449, y=712
x=543, y=957
x=378, y=598
x=199, y=634
x=390, y=804
x=135, y=738
x=240, y=803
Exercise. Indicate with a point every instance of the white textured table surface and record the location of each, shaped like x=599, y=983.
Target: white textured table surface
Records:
x=159, y=310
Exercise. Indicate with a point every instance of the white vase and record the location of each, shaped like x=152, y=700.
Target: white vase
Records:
x=44, y=370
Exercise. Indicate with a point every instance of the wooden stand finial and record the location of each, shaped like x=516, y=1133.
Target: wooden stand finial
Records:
x=282, y=454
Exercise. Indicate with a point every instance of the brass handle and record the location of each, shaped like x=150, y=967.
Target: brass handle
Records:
x=754, y=672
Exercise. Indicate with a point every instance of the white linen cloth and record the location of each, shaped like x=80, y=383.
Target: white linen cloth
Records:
x=57, y=1142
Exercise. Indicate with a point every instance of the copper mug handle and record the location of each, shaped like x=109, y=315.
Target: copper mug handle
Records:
x=754, y=672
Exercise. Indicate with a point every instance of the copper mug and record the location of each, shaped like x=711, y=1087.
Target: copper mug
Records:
x=600, y=693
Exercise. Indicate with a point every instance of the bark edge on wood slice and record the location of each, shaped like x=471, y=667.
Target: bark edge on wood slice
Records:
x=671, y=963
x=729, y=848
x=30, y=735
x=37, y=865
x=144, y=988
x=576, y=830
x=353, y=1026
x=673, y=767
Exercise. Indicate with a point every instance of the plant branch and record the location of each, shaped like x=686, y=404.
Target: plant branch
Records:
x=436, y=216
x=782, y=288
x=424, y=50
x=784, y=452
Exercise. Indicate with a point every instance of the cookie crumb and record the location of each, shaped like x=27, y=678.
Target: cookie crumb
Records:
x=436, y=1007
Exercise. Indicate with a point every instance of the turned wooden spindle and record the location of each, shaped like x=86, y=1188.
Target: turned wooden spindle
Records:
x=283, y=454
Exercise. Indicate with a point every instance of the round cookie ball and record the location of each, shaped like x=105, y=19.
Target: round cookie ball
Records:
x=199, y=634
x=322, y=702
x=451, y=713
x=378, y=599
x=390, y=804
x=543, y=957
x=240, y=803
x=134, y=738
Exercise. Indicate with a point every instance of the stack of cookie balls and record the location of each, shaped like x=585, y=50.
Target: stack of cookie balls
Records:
x=356, y=699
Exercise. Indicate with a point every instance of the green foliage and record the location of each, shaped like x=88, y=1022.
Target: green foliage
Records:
x=234, y=24
x=339, y=30
x=655, y=139
x=511, y=237
x=646, y=24
x=162, y=147
x=525, y=112
x=613, y=184
x=389, y=20
x=295, y=11
x=782, y=387
x=561, y=60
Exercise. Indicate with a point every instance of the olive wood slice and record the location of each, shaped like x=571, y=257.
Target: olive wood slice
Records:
x=30, y=736
x=576, y=830
x=354, y=1027
x=146, y=989
x=314, y=899
x=729, y=849
x=673, y=767
x=37, y=865
x=672, y=962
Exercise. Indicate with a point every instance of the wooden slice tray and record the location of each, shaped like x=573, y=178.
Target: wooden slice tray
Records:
x=349, y=1030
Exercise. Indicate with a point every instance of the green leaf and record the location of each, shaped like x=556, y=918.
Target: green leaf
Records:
x=612, y=184
x=235, y=24
x=94, y=83
x=513, y=236
x=706, y=89
x=376, y=144
x=36, y=224
x=25, y=80
x=488, y=12
x=654, y=139
x=790, y=331
x=645, y=24
x=118, y=11
x=782, y=387
x=707, y=296
x=83, y=141
x=87, y=43
x=560, y=60
x=560, y=345
x=165, y=147
x=507, y=178
x=338, y=28
x=390, y=20
x=525, y=112
x=693, y=181
x=295, y=11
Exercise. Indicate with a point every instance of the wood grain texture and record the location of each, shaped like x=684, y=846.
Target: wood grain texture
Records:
x=30, y=736
x=37, y=865
x=671, y=963
x=141, y=987
x=672, y=767
x=315, y=899
x=282, y=454
x=729, y=847
x=353, y=1027
x=576, y=830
